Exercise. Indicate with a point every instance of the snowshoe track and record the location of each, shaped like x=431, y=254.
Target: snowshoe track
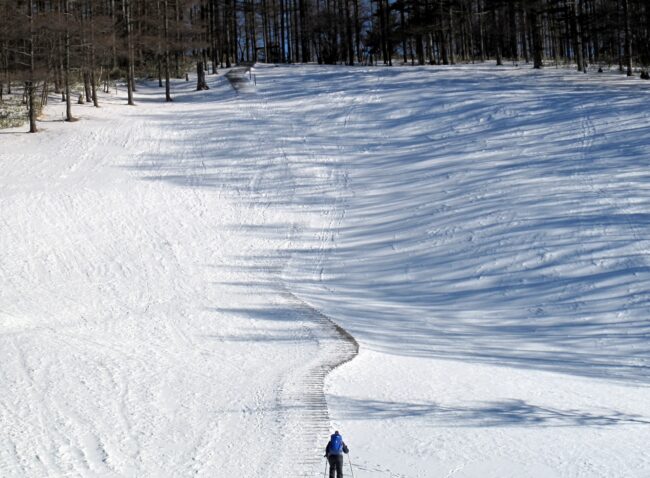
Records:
x=302, y=397
x=302, y=411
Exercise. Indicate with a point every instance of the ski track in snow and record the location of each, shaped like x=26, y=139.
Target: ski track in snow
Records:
x=171, y=272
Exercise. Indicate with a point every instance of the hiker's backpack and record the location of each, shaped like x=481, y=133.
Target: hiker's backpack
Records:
x=336, y=444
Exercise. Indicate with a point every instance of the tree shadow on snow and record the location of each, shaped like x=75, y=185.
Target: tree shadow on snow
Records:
x=497, y=220
x=507, y=413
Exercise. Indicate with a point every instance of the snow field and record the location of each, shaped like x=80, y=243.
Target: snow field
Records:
x=492, y=218
x=169, y=273
x=143, y=332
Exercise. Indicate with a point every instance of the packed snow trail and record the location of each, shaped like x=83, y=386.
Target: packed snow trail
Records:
x=305, y=417
x=240, y=78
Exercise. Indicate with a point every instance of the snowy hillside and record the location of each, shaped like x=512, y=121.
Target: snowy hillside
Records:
x=169, y=272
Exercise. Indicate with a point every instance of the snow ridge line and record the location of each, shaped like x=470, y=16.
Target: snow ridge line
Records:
x=302, y=395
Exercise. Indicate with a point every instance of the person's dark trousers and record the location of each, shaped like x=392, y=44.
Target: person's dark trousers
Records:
x=336, y=464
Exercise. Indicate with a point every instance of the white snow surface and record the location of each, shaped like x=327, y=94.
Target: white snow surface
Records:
x=167, y=273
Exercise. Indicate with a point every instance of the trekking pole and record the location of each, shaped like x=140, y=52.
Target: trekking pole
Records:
x=350, y=462
x=325, y=472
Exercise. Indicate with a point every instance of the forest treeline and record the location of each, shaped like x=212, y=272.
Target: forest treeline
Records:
x=48, y=45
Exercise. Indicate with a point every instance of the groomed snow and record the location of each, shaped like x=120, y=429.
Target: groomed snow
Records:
x=167, y=273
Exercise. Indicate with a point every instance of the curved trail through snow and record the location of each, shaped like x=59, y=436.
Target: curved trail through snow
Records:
x=304, y=412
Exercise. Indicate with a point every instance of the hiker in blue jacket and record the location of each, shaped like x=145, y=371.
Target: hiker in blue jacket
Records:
x=334, y=453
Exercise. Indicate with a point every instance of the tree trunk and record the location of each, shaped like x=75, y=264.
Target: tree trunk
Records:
x=348, y=34
x=283, y=42
x=296, y=33
x=382, y=30
x=357, y=31
x=524, y=36
x=443, y=35
x=498, y=36
x=389, y=37
x=538, y=46
x=628, y=40
x=402, y=24
x=304, y=37
x=233, y=35
x=576, y=32
x=129, y=60
x=93, y=59
x=31, y=88
x=514, y=47
x=66, y=73
x=452, y=58
x=253, y=32
x=265, y=30
x=200, y=77
x=87, y=92
x=168, y=96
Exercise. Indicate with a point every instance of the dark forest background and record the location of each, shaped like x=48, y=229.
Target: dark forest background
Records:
x=47, y=45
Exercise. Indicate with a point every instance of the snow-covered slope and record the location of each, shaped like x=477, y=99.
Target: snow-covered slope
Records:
x=493, y=261
x=167, y=272
x=142, y=333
